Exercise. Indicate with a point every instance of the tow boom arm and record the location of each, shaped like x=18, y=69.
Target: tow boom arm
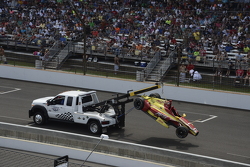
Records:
x=114, y=101
x=119, y=106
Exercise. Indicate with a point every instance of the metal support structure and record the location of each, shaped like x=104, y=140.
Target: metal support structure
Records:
x=84, y=37
x=178, y=65
x=103, y=136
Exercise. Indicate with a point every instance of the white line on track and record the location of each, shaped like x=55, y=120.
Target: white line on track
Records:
x=13, y=90
x=211, y=117
x=238, y=155
x=199, y=120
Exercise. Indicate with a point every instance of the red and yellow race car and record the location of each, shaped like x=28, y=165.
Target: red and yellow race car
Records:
x=164, y=113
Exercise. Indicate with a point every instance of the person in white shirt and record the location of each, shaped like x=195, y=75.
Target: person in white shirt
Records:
x=197, y=76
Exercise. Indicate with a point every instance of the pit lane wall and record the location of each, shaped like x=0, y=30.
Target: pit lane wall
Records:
x=109, y=152
x=201, y=96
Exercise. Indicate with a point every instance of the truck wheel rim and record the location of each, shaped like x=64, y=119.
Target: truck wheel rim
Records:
x=93, y=128
x=38, y=119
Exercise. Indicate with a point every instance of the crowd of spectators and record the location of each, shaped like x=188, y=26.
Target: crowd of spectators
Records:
x=137, y=26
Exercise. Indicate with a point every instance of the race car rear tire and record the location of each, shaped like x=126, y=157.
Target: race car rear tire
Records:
x=181, y=132
x=94, y=127
x=156, y=95
x=139, y=103
x=39, y=118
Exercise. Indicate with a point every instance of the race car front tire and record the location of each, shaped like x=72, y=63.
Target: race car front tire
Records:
x=181, y=132
x=139, y=103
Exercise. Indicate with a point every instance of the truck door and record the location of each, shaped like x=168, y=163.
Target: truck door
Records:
x=68, y=109
x=61, y=108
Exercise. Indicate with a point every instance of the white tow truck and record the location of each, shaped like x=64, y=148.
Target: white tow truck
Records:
x=84, y=108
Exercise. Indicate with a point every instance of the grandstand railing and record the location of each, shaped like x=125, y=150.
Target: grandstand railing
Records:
x=53, y=51
x=64, y=54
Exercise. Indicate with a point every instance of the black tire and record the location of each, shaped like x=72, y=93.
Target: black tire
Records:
x=156, y=95
x=39, y=118
x=181, y=132
x=139, y=103
x=94, y=127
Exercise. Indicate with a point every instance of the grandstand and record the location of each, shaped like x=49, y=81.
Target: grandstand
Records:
x=147, y=36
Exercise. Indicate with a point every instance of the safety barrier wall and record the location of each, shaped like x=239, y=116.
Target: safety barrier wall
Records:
x=111, y=152
x=201, y=96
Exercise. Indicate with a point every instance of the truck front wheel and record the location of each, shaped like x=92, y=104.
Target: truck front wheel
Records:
x=39, y=118
x=94, y=127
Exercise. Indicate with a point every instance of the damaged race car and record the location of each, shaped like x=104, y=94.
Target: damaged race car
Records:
x=164, y=113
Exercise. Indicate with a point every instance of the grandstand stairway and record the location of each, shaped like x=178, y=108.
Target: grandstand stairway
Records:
x=155, y=74
x=57, y=60
x=160, y=69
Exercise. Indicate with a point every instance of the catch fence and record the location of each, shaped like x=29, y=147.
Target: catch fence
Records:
x=130, y=68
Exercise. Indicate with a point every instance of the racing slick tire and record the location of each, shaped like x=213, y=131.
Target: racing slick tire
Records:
x=139, y=103
x=39, y=118
x=94, y=127
x=181, y=132
x=156, y=95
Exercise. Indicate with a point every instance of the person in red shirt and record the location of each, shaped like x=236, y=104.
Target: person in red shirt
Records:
x=190, y=69
x=190, y=66
x=95, y=33
x=173, y=41
x=239, y=74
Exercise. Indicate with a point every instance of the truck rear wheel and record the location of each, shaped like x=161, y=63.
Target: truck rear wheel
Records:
x=39, y=118
x=94, y=127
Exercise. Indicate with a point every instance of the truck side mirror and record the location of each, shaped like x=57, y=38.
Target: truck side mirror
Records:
x=48, y=102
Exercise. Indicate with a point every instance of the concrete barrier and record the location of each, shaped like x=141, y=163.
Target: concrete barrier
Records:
x=187, y=94
x=111, y=148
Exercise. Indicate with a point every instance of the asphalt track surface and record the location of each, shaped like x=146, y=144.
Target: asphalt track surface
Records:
x=224, y=132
